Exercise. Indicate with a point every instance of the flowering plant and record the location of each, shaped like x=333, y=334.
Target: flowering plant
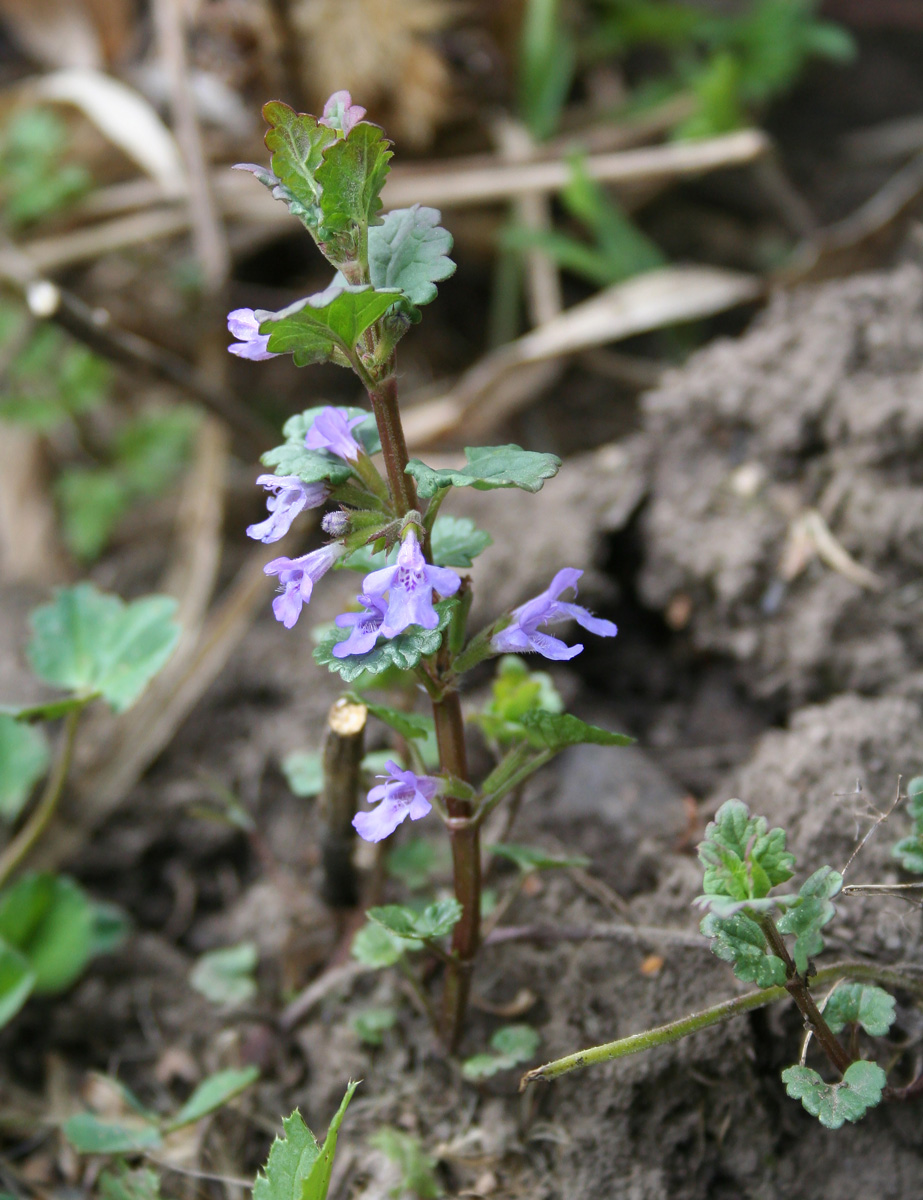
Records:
x=413, y=605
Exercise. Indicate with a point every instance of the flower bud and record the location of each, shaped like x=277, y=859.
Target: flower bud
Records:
x=335, y=523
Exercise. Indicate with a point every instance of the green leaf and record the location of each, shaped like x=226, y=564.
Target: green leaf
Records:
x=111, y=927
x=49, y=710
x=743, y=858
x=515, y=691
x=409, y=250
x=122, y=1183
x=910, y=849
x=89, y=641
x=457, y=542
x=740, y=941
x=435, y=921
x=17, y=979
x=297, y=1168
x=351, y=178
x=558, y=730
x=318, y=1182
x=92, y=501
x=403, y=651
x=860, y=1004
x=304, y=771
x=416, y=862
x=89, y=1134
x=316, y=328
x=510, y=1046
x=835, y=1103
x=213, y=1093
x=378, y=947
x=417, y=1169
x=297, y=143
x=50, y=919
x=811, y=911
x=488, y=467
x=311, y=466
x=533, y=858
x=366, y=433
x=409, y=725
x=23, y=761
x=373, y=1023
x=225, y=976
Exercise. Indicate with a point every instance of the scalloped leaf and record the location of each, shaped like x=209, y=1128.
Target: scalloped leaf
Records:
x=435, y=921
x=297, y=143
x=835, y=1103
x=860, y=1004
x=23, y=761
x=556, y=731
x=510, y=1045
x=351, y=176
x=488, y=467
x=89, y=641
x=457, y=541
x=403, y=651
x=516, y=690
x=743, y=858
x=810, y=912
x=378, y=947
x=740, y=941
x=326, y=327
x=409, y=250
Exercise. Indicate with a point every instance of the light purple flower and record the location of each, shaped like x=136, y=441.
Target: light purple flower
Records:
x=366, y=627
x=332, y=430
x=523, y=633
x=410, y=584
x=297, y=577
x=402, y=795
x=289, y=496
x=340, y=113
x=242, y=324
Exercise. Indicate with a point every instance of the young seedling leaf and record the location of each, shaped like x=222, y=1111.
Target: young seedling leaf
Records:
x=304, y=771
x=835, y=1103
x=123, y=1183
x=89, y=641
x=297, y=143
x=515, y=691
x=323, y=327
x=533, y=858
x=377, y=947
x=50, y=920
x=417, y=1168
x=23, y=761
x=318, y=1182
x=225, y=976
x=372, y=1024
x=408, y=725
x=811, y=911
x=409, y=250
x=17, y=979
x=740, y=941
x=457, y=542
x=556, y=731
x=403, y=651
x=351, y=178
x=860, y=1004
x=509, y=1046
x=910, y=849
x=743, y=858
x=89, y=1134
x=488, y=467
x=435, y=921
x=416, y=862
x=213, y=1093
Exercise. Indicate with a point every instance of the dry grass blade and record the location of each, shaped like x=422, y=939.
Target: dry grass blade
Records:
x=504, y=381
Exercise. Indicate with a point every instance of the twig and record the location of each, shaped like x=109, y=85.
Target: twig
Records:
x=880, y=819
x=344, y=739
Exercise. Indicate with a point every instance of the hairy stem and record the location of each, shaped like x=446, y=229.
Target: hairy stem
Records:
x=715, y=1015
x=43, y=812
x=383, y=395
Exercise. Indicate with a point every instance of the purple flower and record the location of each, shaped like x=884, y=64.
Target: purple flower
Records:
x=297, y=577
x=524, y=634
x=332, y=430
x=288, y=497
x=243, y=324
x=410, y=583
x=366, y=627
x=402, y=795
x=340, y=113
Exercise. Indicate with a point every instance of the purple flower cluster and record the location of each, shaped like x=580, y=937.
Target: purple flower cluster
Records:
x=297, y=577
x=288, y=497
x=332, y=430
x=525, y=633
x=402, y=795
x=242, y=324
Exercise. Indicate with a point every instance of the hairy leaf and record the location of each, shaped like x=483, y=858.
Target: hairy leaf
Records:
x=810, y=912
x=743, y=859
x=435, y=921
x=558, y=730
x=91, y=642
x=23, y=761
x=515, y=691
x=457, y=541
x=291, y=1160
x=403, y=651
x=740, y=941
x=835, y=1103
x=378, y=947
x=326, y=327
x=351, y=178
x=297, y=143
x=409, y=250
x=488, y=467
x=860, y=1004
